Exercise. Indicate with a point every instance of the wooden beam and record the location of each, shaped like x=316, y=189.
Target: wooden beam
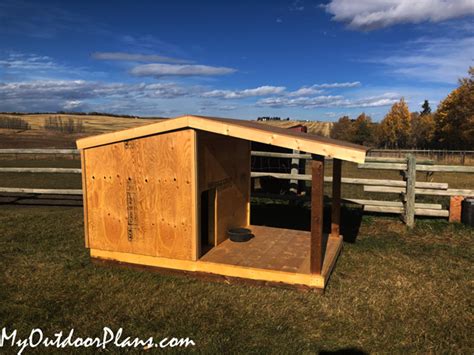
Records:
x=434, y=168
x=336, y=198
x=317, y=207
x=41, y=170
x=242, y=129
x=39, y=151
x=84, y=198
x=41, y=191
x=355, y=181
x=397, y=190
x=400, y=210
x=430, y=206
x=409, y=198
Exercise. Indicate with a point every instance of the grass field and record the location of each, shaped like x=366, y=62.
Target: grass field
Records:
x=392, y=291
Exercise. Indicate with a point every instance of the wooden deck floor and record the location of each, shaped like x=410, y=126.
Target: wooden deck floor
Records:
x=274, y=255
x=273, y=249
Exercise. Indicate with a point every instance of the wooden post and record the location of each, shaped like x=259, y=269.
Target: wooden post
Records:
x=295, y=162
x=409, y=200
x=336, y=198
x=317, y=207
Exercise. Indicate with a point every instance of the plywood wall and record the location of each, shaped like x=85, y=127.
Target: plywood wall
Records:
x=141, y=196
x=224, y=164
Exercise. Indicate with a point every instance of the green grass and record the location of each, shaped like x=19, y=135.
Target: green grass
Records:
x=393, y=291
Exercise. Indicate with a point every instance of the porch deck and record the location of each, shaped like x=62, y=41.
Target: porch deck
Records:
x=274, y=255
x=276, y=249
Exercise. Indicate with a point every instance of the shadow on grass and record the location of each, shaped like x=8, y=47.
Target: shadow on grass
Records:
x=41, y=200
x=298, y=216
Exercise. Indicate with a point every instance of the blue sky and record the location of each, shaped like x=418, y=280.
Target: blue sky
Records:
x=314, y=60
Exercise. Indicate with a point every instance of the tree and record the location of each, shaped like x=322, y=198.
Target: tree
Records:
x=395, y=127
x=454, y=119
x=422, y=130
x=363, y=130
x=426, y=108
x=343, y=129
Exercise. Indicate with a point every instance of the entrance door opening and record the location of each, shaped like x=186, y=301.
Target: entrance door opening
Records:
x=207, y=235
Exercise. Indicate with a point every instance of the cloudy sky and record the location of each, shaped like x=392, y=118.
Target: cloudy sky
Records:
x=302, y=59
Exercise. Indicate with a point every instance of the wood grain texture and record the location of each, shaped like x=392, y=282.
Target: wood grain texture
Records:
x=224, y=165
x=265, y=261
x=317, y=208
x=140, y=196
x=242, y=129
x=84, y=199
x=336, y=198
x=409, y=200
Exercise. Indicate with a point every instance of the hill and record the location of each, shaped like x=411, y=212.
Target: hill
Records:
x=38, y=137
x=314, y=127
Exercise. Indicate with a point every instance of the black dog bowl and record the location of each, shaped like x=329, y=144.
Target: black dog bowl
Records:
x=240, y=234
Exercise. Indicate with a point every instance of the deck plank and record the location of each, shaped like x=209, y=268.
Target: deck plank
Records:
x=271, y=248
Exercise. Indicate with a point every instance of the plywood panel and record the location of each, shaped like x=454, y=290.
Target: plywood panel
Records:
x=84, y=199
x=141, y=194
x=224, y=164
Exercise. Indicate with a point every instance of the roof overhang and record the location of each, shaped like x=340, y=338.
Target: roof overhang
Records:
x=247, y=130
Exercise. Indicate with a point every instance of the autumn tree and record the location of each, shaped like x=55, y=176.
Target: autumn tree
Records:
x=426, y=109
x=342, y=129
x=454, y=119
x=422, y=130
x=395, y=127
x=363, y=130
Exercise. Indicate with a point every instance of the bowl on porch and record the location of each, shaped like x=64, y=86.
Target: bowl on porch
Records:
x=240, y=235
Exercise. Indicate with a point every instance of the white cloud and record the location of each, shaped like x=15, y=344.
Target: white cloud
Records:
x=16, y=61
x=18, y=66
x=329, y=101
x=338, y=85
x=51, y=95
x=159, y=70
x=370, y=14
x=72, y=104
x=131, y=57
x=238, y=94
x=430, y=59
x=305, y=91
x=316, y=88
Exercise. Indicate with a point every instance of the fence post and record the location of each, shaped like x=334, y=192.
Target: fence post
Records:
x=409, y=198
x=295, y=163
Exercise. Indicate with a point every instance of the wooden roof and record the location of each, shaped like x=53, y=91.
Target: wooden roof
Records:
x=248, y=130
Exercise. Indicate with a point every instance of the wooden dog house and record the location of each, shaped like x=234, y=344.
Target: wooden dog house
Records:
x=165, y=194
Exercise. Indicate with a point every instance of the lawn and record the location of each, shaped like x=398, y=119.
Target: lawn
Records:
x=392, y=291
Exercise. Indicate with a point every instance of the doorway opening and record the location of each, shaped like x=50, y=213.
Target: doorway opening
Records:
x=207, y=222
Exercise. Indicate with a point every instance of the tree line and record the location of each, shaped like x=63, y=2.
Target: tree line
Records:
x=450, y=127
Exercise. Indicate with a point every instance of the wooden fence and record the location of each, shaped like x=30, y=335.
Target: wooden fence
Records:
x=408, y=188
x=459, y=157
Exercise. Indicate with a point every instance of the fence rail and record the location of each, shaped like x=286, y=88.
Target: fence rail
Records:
x=446, y=156
x=407, y=189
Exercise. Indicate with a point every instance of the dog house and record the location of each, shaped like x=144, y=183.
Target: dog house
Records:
x=164, y=195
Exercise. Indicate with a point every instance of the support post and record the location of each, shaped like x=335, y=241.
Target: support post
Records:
x=317, y=207
x=409, y=200
x=336, y=198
